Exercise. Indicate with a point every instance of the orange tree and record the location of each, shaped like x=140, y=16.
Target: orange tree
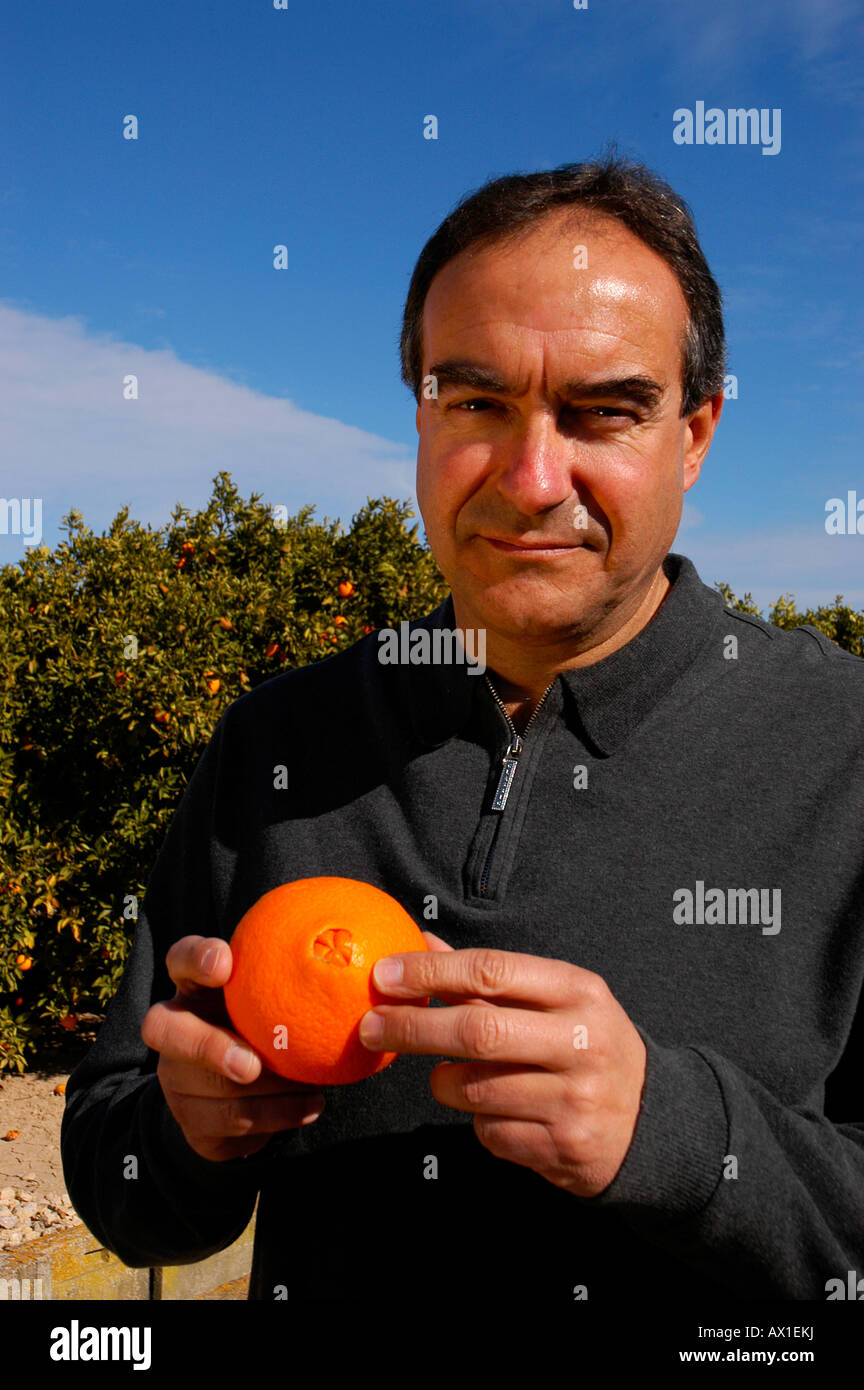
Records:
x=118, y=653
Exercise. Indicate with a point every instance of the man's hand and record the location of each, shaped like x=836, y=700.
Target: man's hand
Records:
x=556, y=1068
x=223, y=1113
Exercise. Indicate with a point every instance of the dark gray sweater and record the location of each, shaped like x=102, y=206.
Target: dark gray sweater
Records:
x=721, y=755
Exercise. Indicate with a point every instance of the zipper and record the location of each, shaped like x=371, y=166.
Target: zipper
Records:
x=510, y=763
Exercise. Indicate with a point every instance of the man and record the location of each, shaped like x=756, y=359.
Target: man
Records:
x=637, y=835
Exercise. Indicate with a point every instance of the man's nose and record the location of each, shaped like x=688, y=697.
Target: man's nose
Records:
x=536, y=465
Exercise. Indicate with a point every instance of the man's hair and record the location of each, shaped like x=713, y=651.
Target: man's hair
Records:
x=621, y=188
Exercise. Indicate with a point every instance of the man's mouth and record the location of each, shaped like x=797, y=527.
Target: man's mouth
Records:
x=524, y=546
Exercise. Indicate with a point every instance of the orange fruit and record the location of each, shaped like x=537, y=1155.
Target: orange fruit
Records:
x=346, y=588
x=24, y=962
x=302, y=976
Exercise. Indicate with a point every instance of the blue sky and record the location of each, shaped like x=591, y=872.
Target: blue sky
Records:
x=304, y=126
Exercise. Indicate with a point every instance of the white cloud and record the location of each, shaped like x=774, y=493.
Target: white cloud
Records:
x=802, y=561
x=70, y=438
x=690, y=517
x=735, y=39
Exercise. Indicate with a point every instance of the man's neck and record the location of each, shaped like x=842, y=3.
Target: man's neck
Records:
x=521, y=682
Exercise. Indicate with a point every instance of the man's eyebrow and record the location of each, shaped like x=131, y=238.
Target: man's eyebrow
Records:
x=460, y=372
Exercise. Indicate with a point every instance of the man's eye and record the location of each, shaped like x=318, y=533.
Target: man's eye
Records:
x=480, y=404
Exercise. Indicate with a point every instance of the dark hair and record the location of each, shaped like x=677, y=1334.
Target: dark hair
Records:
x=618, y=188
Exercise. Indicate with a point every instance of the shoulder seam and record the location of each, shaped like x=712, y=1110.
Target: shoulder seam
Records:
x=826, y=644
x=827, y=647
x=759, y=623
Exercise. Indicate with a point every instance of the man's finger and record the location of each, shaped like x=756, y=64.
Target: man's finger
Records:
x=197, y=962
x=174, y=1031
x=435, y=942
x=226, y=1119
x=485, y=1034
x=501, y=977
x=189, y=1079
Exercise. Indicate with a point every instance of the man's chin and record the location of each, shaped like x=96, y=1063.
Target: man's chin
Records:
x=526, y=618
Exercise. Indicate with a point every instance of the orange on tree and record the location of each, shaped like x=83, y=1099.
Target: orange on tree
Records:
x=346, y=588
x=302, y=976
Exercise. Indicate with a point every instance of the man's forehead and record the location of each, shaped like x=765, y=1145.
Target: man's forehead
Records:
x=525, y=304
x=561, y=275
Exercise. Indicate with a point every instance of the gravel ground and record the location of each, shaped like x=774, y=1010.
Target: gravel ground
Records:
x=33, y=1199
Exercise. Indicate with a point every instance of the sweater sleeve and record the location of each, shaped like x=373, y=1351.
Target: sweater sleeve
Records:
x=762, y=1197
x=131, y=1176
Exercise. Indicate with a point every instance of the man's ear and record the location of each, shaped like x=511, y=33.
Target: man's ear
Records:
x=698, y=435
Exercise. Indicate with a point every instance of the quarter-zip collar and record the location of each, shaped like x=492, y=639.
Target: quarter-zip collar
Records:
x=609, y=699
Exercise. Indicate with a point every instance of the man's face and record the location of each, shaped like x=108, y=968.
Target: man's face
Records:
x=519, y=453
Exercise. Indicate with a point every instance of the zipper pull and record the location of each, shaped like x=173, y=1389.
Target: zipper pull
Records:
x=502, y=791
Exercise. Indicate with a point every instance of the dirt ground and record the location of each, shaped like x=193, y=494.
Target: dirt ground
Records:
x=30, y=1164
x=33, y=1197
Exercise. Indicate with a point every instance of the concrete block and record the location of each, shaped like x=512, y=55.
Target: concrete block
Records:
x=71, y=1265
x=175, y=1282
